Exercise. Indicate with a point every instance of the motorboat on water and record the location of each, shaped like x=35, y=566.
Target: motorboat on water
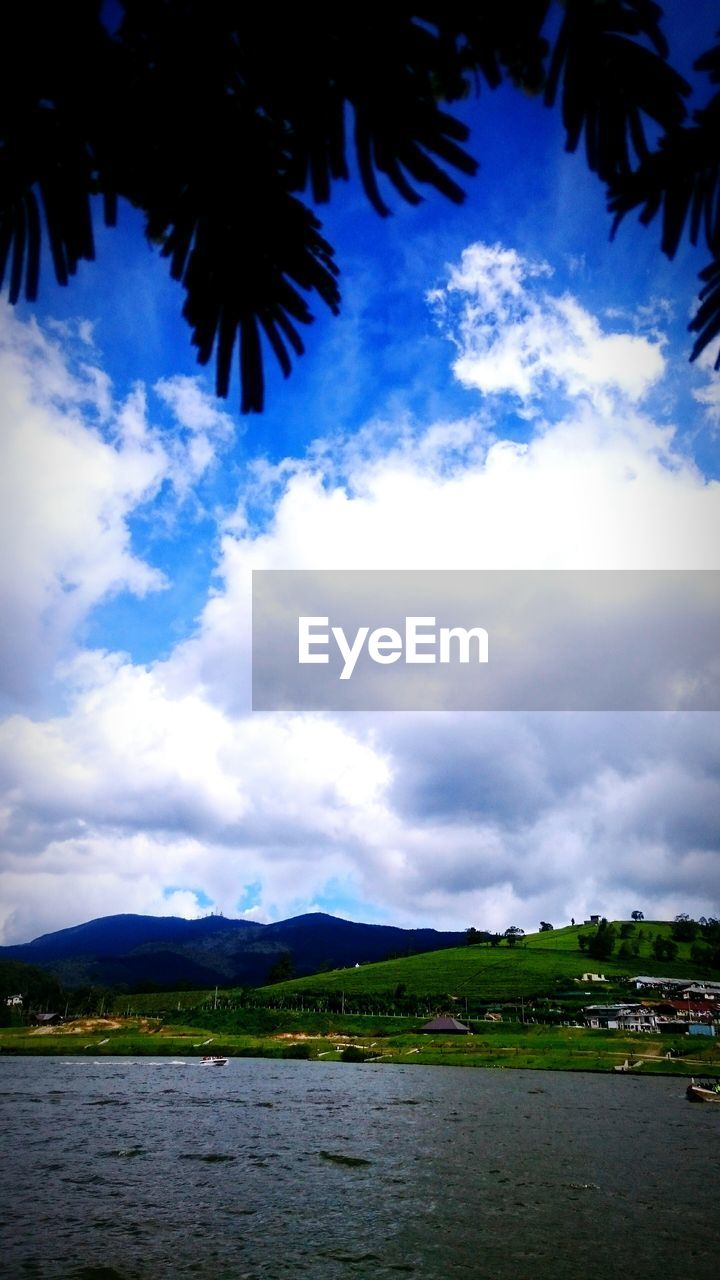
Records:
x=703, y=1091
x=213, y=1060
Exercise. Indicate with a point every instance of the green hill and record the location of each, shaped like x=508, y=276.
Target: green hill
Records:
x=537, y=965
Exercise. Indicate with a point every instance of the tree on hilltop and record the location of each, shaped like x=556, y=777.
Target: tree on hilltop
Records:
x=513, y=934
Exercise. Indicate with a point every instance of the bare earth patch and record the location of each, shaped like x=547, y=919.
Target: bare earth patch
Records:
x=85, y=1026
x=78, y=1025
x=296, y=1035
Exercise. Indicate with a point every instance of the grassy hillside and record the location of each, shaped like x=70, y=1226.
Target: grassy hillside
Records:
x=539, y=965
x=566, y=939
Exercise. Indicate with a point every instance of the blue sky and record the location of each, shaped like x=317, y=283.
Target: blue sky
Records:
x=413, y=433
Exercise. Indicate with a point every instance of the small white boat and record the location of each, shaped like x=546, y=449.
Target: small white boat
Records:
x=213, y=1060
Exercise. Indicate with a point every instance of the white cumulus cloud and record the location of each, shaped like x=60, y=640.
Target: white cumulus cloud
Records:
x=514, y=335
x=74, y=467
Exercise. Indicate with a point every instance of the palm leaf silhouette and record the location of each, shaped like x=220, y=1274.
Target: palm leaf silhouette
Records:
x=680, y=181
x=221, y=122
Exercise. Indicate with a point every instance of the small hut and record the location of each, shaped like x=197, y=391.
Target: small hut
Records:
x=444, y=1025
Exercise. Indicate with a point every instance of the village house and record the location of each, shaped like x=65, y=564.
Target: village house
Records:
x=646, y=983
x=690, y=1010
x=620, y=1017
x=707, y=990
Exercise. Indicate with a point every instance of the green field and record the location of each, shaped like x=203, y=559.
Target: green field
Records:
x=537, y=965
x=382, y=1043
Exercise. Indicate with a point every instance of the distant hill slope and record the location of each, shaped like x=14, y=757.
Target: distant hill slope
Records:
x=535, y=966
x=133, y=951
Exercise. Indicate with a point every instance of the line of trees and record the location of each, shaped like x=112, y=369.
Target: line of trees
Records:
x=704, y=934
x=511, y=936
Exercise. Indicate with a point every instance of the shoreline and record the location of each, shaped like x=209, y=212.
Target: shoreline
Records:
x=508, y=1046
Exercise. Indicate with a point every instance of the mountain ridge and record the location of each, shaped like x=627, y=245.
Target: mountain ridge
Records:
x=134, y=950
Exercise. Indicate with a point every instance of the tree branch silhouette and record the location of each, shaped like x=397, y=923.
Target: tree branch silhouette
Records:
x=681, y=182
x=219, y=123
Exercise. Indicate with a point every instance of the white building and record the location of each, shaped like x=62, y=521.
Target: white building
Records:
x=620, y=1017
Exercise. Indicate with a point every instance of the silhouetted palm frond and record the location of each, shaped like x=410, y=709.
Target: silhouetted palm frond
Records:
x=707, y=321
x=610, y=81
x=264, y=117
x=243, y=273
x=502, y=39
x=681, y=182
x=215, y=119
x=47, y=161
x=20, y=247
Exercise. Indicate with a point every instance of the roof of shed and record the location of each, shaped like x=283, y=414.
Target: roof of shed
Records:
x=444, y=1023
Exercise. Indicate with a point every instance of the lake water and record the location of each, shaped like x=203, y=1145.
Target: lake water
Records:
x=149, y=1168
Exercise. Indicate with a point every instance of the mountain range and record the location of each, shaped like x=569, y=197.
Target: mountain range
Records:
x=137, y=952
